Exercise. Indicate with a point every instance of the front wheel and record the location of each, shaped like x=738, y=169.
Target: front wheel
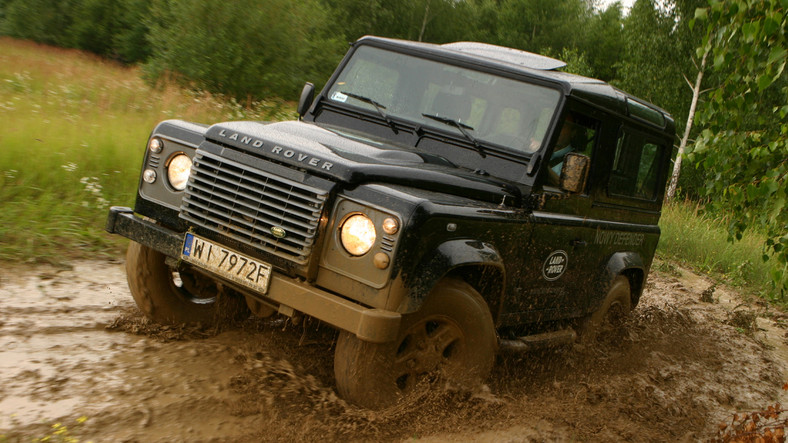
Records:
x=451, y=336
x=168, y=296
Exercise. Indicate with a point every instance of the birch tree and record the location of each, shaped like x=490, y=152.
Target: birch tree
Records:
x=744, y=141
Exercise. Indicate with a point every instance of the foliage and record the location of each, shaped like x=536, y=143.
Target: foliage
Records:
x=129, y=39
x=44, y=21
x=576, y=62
x=767, y=426
x=659, y=48
x=246, y=48
x=659, y=63
x=263, y=48
x=437, y=21
x=111, y=28
x=604, y=42
x=744, y=143
x=539, y=25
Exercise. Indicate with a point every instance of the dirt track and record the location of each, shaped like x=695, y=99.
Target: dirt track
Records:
x=73, y=345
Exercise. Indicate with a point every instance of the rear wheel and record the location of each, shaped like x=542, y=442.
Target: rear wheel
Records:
x=169, y=296
x=452, y=336
x=614, y=311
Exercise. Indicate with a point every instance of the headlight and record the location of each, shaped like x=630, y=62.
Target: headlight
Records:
x=178, y=169
x=357, y=234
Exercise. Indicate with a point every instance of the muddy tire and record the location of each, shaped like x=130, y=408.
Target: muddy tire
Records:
x=452, y=336
x=615, y=309
x=167, y=296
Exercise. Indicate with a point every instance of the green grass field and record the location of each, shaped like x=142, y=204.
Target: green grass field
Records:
x=73, y=128
x=72, y=131
x=700, y=241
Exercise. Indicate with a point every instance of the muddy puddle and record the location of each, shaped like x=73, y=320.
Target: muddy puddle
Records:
x=76, y=357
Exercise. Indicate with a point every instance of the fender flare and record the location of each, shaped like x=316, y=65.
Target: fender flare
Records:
x=629, y=264
x=449, y=256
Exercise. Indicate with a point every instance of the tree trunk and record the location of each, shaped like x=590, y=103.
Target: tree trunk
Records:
x=425, y=20
x=674, y=178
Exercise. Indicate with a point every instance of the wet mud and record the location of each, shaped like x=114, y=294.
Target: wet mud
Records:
x=76, y=356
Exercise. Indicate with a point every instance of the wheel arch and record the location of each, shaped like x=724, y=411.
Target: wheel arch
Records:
x=630, y=265
x=477, y=263
x=486, y=279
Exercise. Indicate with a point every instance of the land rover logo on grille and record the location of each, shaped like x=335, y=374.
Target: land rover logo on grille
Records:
x=278, y=232
x=555, y=265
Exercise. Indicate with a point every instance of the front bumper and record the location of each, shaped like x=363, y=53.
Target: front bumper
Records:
x=373, y=325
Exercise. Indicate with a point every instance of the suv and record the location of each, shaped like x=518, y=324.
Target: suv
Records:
x=434, y=203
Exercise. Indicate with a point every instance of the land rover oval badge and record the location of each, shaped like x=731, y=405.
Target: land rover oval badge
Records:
x=555, y=265
x=278, y=232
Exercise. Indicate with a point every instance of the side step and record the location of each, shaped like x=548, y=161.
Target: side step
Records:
x=554, y=339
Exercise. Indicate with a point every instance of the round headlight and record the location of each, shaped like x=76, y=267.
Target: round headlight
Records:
x=178, y=170
x=357, y=234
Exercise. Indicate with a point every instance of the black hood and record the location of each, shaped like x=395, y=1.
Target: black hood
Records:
x=357, y=160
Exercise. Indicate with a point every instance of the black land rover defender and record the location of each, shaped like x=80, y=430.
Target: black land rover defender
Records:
x=434, y=203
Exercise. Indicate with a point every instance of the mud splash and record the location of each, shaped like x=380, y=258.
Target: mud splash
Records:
x=72, y=344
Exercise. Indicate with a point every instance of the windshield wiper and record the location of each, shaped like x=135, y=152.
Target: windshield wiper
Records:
x=463, y=129
x=378, y=107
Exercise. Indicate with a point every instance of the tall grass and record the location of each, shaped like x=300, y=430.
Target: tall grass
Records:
x=72, y=132
x=700, y=240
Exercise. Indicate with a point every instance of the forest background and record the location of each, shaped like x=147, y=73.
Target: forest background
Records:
x=728, y=54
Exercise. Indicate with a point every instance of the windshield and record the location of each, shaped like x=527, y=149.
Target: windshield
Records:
x=483, y=108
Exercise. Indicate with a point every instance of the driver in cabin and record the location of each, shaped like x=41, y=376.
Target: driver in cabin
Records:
x=564, y=145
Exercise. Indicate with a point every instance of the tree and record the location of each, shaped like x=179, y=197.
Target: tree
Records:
x=604, y=42
x=541, y=25
x=245, y=48
x=696, y=92
x=744, y=142
x=43, y=21
x=358, y=17
x=660, y=53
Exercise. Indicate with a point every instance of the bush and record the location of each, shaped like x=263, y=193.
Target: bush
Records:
x=130, y=40
x=247, y=48
x=43, y=21
x=110, y=28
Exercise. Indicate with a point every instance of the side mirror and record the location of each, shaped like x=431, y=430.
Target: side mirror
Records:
x=574, y=172
x=307, y=97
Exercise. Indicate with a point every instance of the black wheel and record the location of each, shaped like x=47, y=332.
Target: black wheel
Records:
x=168, y=296
x=451, y=336
x=611, y=315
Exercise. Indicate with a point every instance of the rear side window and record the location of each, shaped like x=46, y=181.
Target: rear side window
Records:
x=635, y=167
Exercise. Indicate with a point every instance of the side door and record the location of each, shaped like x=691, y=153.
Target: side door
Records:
x=627, y=202
x=556, y=267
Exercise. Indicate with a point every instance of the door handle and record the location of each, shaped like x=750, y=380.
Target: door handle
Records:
x=577, y=243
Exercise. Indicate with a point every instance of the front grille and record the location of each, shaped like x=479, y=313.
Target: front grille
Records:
x=243, y=203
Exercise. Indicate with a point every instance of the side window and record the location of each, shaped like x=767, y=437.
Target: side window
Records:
x=577, y=134
x=635, y=167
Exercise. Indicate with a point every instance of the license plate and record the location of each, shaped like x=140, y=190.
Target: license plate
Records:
x=227, y=263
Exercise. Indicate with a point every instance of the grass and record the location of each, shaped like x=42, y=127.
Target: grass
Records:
x=72, y=132
x=700, y=240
